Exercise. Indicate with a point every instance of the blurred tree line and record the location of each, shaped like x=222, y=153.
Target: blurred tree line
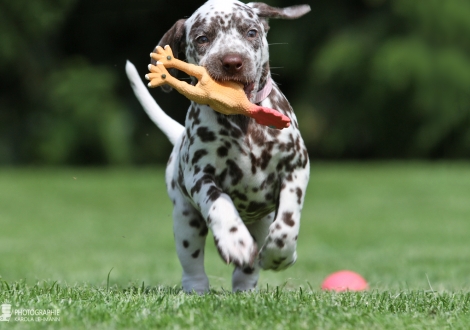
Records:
x=367, y=78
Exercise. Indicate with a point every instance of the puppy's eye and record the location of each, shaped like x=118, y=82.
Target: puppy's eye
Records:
x=202, y=40
x=252, y=34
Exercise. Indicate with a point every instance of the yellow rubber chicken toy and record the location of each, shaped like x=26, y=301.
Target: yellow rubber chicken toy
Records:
x=227, y=97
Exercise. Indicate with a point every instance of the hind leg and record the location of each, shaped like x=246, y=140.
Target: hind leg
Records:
x=246, y=278
x=190, y=233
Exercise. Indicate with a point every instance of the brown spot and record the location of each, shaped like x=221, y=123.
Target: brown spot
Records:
x=213, y=193
x=270, y=179
x=198, y=155
x=194, y=115
x=205, y=134
x=203, y=231
x=253, y=162
x=265, y=158
x=279, y=242
x=287, y=162
x=305, y=153
x=209, y=169
x=184, y=191
x=195, y=254
x=261, y=162
x=233, y=229
x=287, y=218
x=197, y=187
x=297, y=143
x=195, y=223
x=222, y=151
x=223, y=132
x=298, y=191
x=248, y=270
x=221, y=177
x=234, y=171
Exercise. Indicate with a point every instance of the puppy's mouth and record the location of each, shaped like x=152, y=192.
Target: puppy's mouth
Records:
x=248, y=88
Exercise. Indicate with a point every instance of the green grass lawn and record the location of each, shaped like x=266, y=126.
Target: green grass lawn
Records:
x=404, y=226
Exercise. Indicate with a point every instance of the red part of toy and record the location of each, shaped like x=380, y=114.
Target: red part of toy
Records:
x=270, y=117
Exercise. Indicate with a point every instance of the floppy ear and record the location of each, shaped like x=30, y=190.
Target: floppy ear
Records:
x=265, y=12
x=175, y=38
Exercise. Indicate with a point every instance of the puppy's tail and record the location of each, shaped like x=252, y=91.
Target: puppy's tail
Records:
x=170, y=127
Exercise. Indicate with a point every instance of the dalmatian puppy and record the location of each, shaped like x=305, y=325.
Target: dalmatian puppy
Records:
x=243, y=181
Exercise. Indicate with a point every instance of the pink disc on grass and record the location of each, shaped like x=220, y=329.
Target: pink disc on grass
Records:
x=344, y=280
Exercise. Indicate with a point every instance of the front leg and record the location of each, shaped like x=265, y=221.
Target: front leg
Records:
x=233, y=240
x=246, y=278
x=279, y=249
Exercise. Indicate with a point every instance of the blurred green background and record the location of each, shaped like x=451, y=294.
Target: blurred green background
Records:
x=368, y=79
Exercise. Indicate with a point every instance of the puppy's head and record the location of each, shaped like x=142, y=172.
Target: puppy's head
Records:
x=228, y=38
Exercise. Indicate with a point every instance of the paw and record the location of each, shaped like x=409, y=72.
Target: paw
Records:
x=245, y=279
x=163, y=55
x=276, y=255
x=237, y=246
x=195, y=284
x=158, y=75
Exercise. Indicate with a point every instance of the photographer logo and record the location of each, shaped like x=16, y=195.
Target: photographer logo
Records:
x=28, y=315
x=6, y=313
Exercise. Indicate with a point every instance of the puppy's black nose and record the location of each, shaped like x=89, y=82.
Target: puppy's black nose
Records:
x=232, y=63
